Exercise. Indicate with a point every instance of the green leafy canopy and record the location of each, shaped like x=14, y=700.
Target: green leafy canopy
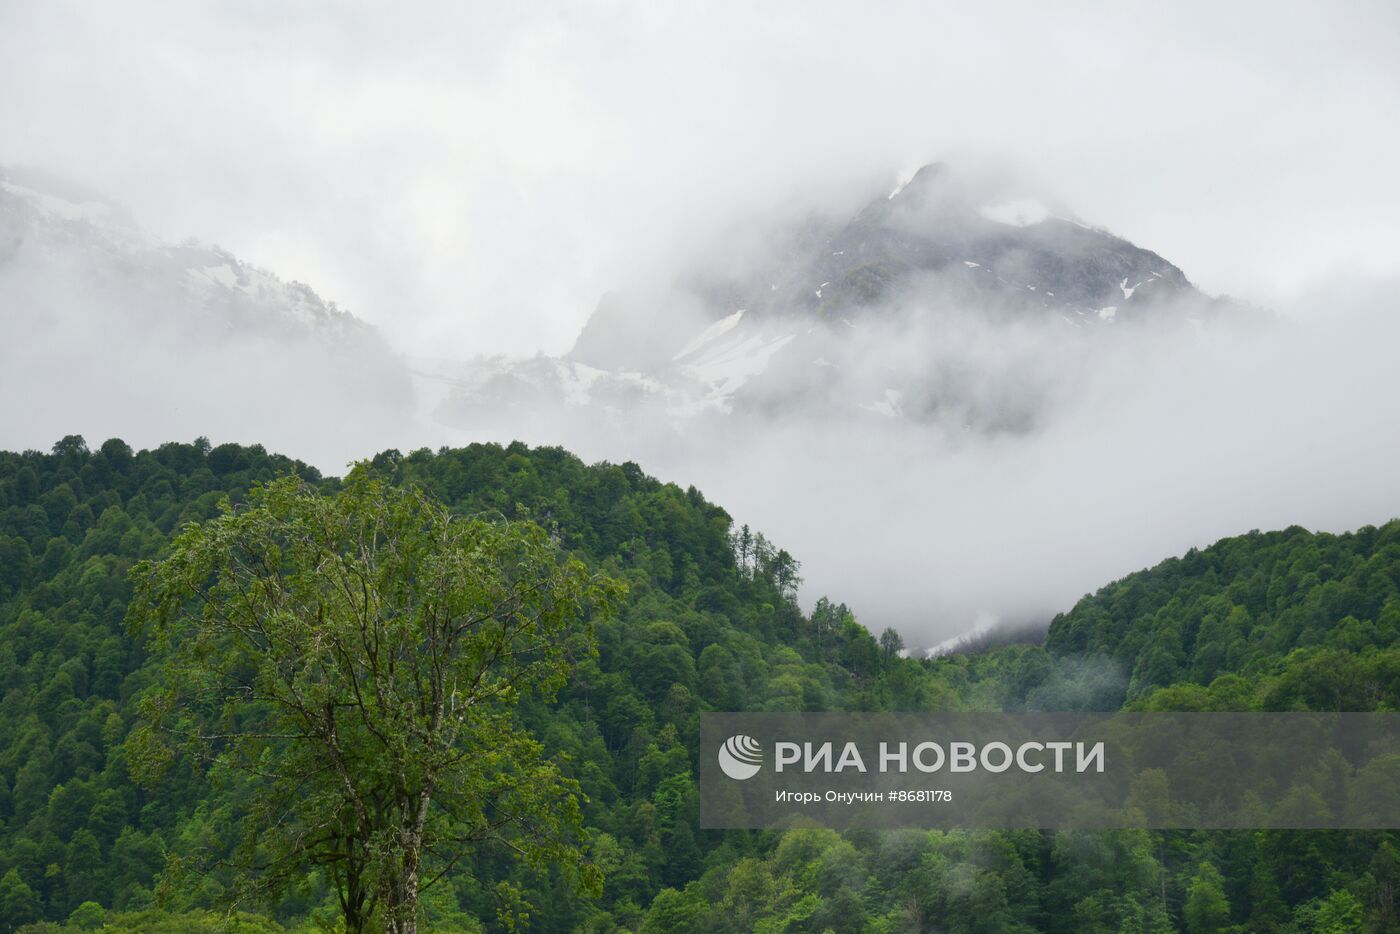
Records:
x=356, y=658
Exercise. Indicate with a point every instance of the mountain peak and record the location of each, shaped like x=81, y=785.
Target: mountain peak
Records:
x=778, y=315
x=925, y=176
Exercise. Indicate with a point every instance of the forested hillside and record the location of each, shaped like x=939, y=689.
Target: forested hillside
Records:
x=1285, y=620
x=1278, y=621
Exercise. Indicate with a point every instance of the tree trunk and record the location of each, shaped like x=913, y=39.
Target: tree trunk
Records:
x=402, y=916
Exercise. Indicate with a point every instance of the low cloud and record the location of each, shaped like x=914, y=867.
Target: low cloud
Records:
x=471, y=181
x=1057, y=461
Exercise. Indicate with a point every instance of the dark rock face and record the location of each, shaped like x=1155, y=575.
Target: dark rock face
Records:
x=897, y=310
x=985, y=245
x=940, y=242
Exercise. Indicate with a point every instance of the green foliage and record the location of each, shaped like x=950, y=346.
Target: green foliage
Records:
x=1207, y=909
x=354, y=660
x=1277, y=621
x=155, y=921
x=87, y=917
x=18, y=902
x=1242, y=605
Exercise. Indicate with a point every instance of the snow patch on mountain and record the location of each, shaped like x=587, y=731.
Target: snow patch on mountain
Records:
x=725, y=369
x=816, y=293
x=55, y=231
x=715, y=331
x=903, y=182
x=129, y=335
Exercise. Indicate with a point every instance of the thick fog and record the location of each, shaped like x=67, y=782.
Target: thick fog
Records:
x=471, y=179
x=1153, y=444
x=1064, y=460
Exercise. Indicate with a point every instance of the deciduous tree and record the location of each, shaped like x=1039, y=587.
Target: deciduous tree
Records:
x=357, y=657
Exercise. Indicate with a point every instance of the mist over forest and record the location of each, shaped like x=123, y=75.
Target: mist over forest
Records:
x=415, y=423
x=948, y=430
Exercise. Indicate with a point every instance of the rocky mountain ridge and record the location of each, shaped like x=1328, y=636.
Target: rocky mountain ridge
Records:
x=817, y=321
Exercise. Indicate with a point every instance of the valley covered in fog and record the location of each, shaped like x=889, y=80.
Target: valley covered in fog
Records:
x=915, y=393
x=951, y=326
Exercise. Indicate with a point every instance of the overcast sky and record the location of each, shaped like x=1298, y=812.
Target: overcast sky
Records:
x=471, y=177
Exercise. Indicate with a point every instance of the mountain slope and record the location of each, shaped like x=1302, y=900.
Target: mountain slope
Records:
x=874, y=313
x=987, y=241
x=702, y=630
x=167, y=338
x=1238, y=606
x=50, y=229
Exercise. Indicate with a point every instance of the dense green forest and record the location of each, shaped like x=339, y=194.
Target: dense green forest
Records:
x=1288, y=620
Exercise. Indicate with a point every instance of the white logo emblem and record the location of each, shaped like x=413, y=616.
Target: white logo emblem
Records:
x=741, y=757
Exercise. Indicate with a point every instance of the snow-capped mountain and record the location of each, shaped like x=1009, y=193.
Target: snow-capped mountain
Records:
x=48, y=226
x=952, y=299
x=113, y=331
x=873, y=312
